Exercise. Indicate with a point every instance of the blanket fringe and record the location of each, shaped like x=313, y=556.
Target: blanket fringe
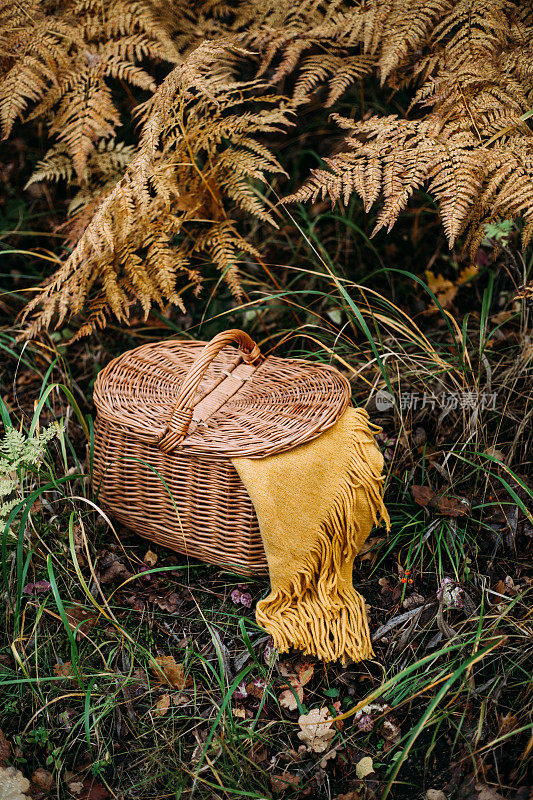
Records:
x=321, y=613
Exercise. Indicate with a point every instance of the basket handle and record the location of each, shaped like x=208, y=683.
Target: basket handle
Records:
x=181, y=416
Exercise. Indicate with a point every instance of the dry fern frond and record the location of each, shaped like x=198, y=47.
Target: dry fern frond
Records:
x=409, y=25
x=146, y=226
x=473, y=148
x=169, y=212
x=63, y=57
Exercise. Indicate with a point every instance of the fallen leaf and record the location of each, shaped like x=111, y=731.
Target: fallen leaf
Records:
x=94, y=791
x=287, y=698
x=316, y=729
x=339, y=723
x=364, y=767
x=257, y=753
x=435, y=794
x=150, y=558
x=79, y=616
x=444, y=289
x=413, y=601
x=280, y=783
x=452, y=506
x=287, y=669
x=422, y=495
x=65, y=670
x=169, y=604
x=367, y=550
x=449, y=506
x=508, y=723
x=112, y=569
x=510, y=585
x=305, y=672
x=493, y=453
x=331, y=754
x=468, y=273
x=168, y=671
x=162, y=705
x=256, y=688
x=40, y=587
x=391, y=734
x=42, y=779
x=486, y=792
x=179, y=699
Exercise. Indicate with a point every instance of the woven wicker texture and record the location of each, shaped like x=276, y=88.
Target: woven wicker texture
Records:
x=170, y=417
x=281, y=403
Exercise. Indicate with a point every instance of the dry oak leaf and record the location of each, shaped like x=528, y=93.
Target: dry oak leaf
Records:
x=330, y=755
x=444, y=289
x=280, y=783
x=486, y=792
x=256, y=688
x=80, y=619
x=94, y=791
x=287, y=698
x=13, y=784
x=435, y=794
x=116, y=572
x=302, y=674
x=150, y=558
x=257, y=753
x=449, y=506
x=162, y=705
x=169, y=604
x=168, y=671
x=364, y=767
x=67, y=671
x=413, y=601
x=453, y=506
x=316, y=729
x=364, y=553
x=42, y=779
x=305, y=671
x=422, y=495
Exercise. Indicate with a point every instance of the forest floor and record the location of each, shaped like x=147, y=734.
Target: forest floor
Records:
x=127, y=671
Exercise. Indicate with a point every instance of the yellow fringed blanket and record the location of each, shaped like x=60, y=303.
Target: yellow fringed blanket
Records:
x=316, y=504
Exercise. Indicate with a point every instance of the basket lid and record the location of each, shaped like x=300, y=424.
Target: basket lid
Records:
x=213, y=399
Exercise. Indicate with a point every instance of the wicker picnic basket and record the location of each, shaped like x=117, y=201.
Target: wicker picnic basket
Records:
x=172, y=414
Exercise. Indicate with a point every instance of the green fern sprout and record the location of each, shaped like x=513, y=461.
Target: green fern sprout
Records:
x=20, y=454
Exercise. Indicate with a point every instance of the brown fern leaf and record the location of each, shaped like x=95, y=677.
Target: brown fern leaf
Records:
x=339, y=72
x=65, y=57
x=203, y=157
x=168, y=214
x=475, y=100
x=408, y=28
x=85, y=116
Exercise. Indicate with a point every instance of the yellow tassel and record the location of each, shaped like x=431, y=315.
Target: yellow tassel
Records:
x=328, y=507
